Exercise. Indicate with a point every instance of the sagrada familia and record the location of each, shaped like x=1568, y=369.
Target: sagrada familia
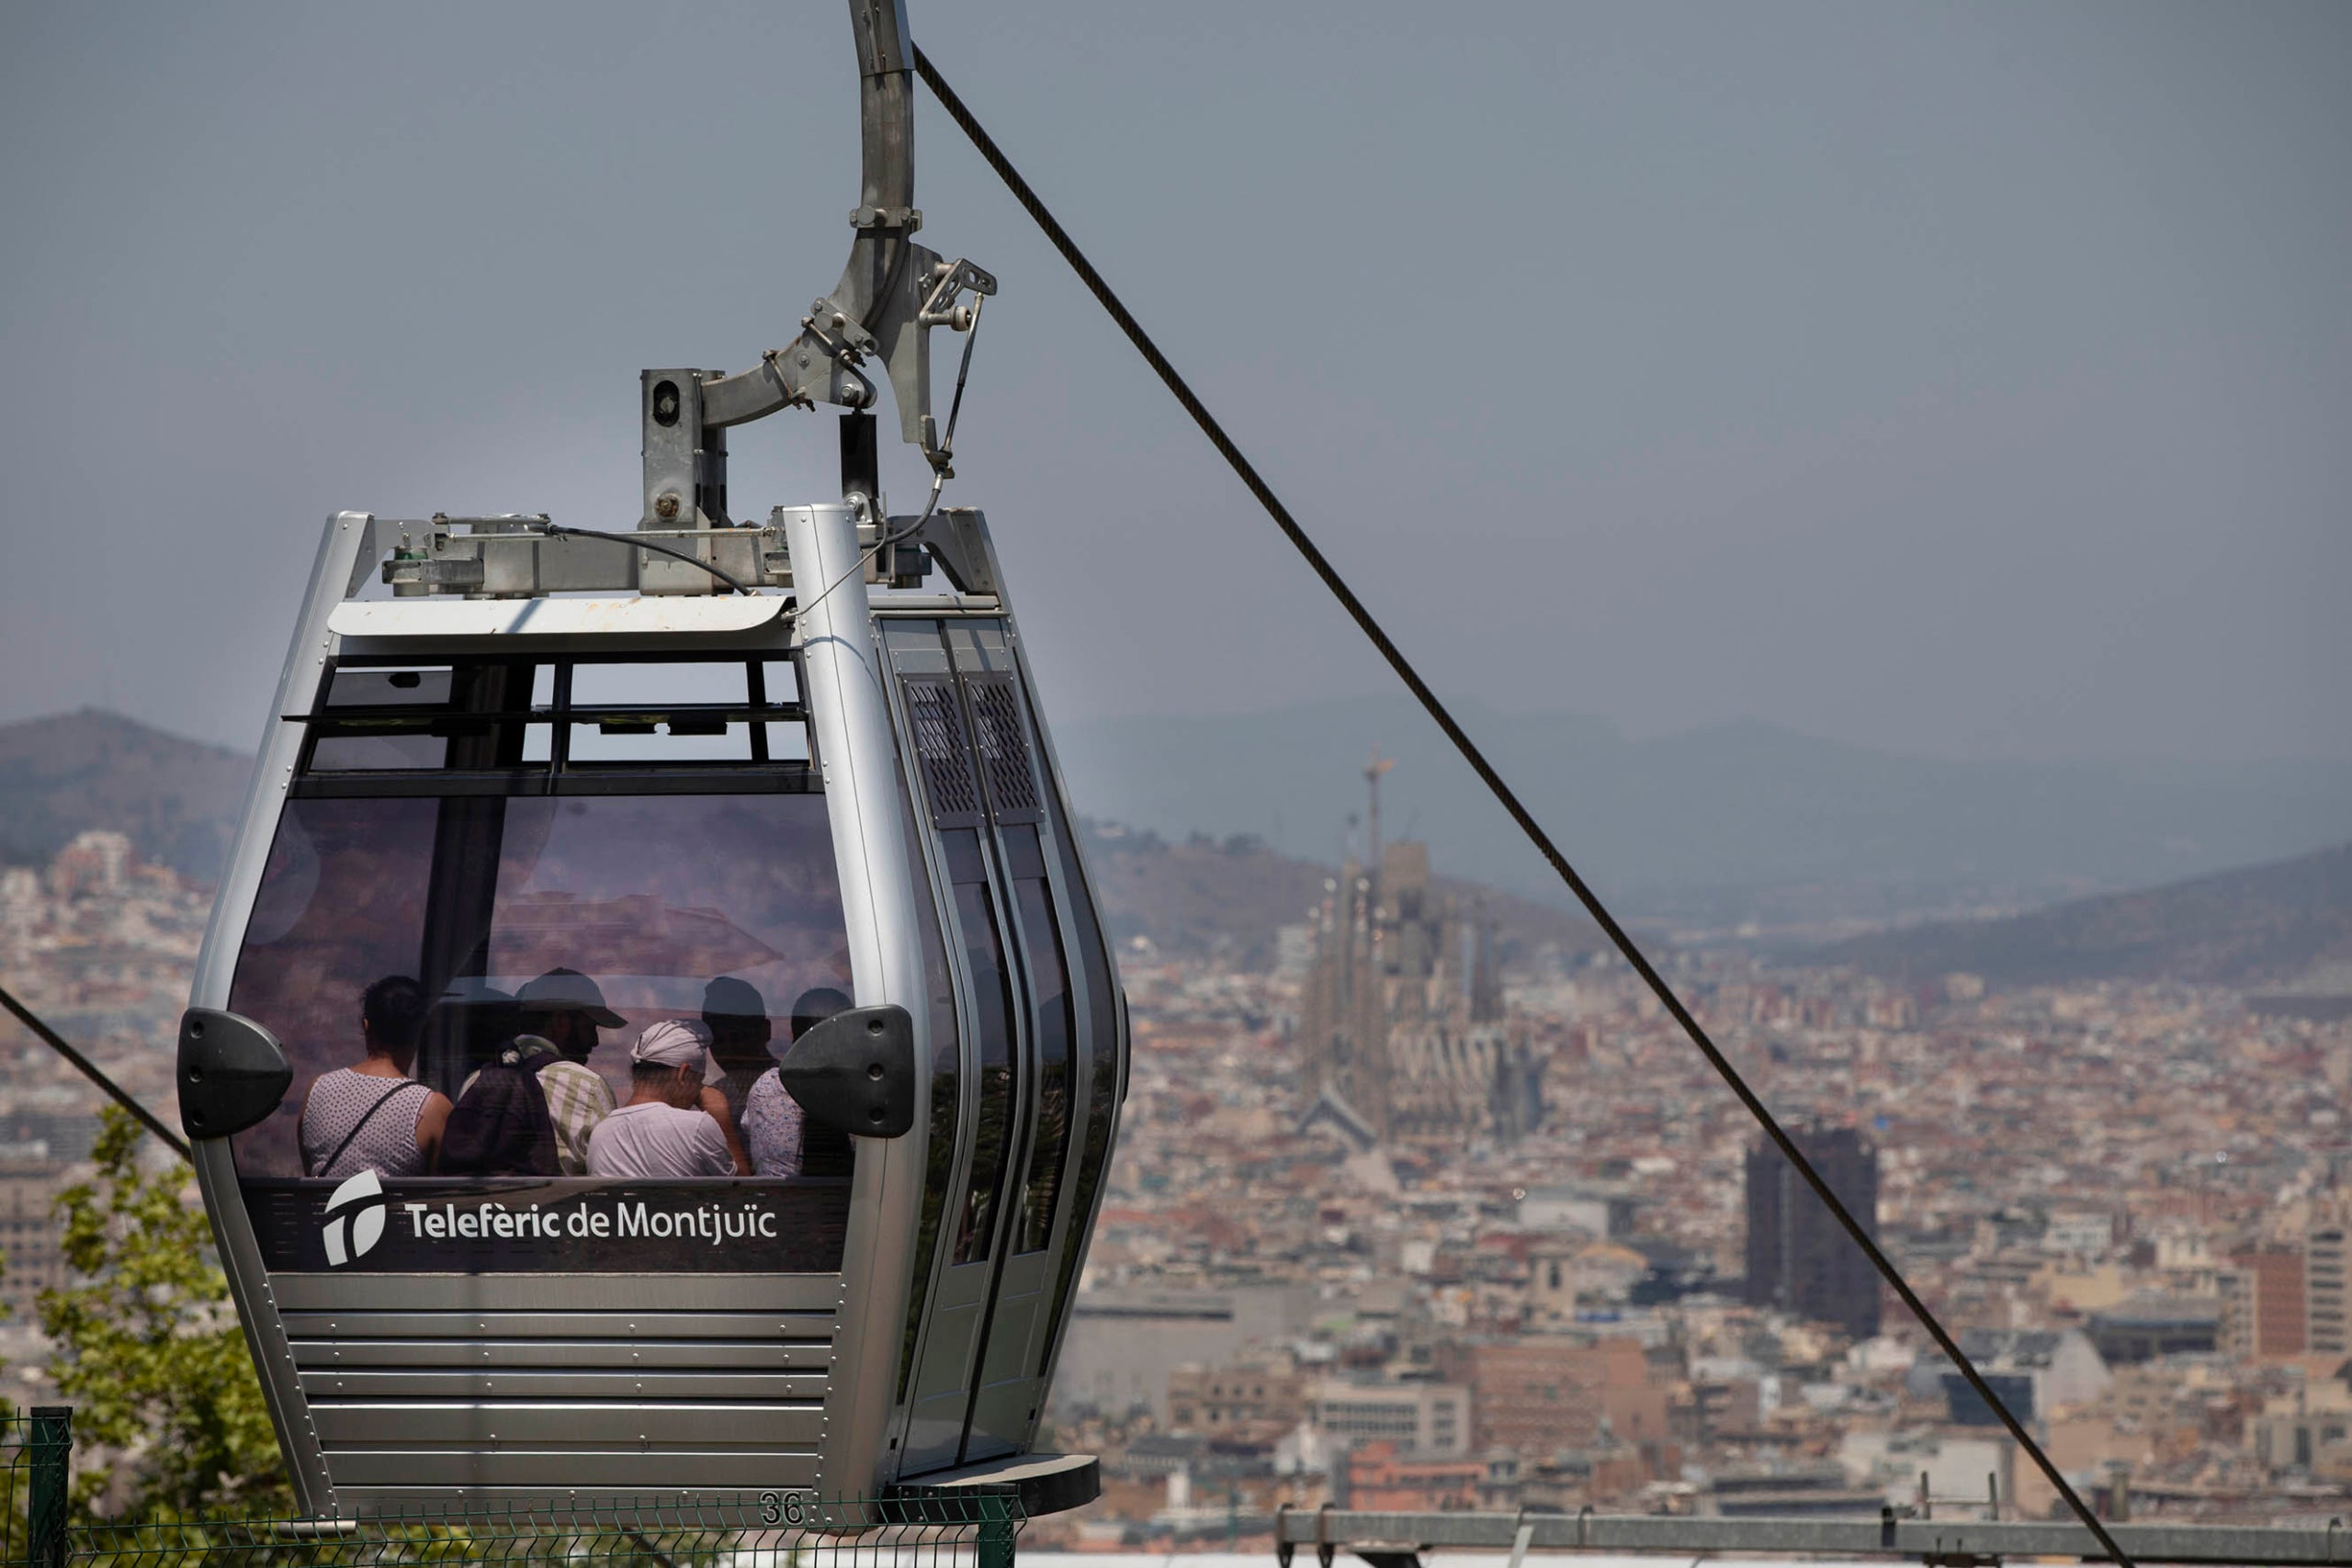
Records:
x=1402, y=1018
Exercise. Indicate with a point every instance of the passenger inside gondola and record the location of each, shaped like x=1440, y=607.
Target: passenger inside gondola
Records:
x=824, y=1151
x=373, y=1114
x=737, y=1016
x=531, y=1110
x=773, y=1122
x=664, y=1132
x=545, y=932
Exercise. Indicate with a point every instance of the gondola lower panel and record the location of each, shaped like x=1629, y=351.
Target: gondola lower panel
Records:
x=599, y=1384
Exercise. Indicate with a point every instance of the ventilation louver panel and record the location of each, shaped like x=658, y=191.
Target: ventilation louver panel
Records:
x=1004, y=749
x=946, y=762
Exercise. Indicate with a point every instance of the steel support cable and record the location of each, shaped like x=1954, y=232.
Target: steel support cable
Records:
x=96, y=1075
x=1502, y=791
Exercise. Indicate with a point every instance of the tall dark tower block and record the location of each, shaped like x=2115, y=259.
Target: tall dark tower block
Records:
x=1799, y=1259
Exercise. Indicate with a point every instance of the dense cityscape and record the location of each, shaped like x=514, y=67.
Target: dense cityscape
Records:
x=1401, y=1222
x=1408, y=1234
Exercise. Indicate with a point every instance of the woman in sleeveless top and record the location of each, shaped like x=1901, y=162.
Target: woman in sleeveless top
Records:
x=779, y=1134
x=772, y=1125
x=373, y=1116
x=354, y=1121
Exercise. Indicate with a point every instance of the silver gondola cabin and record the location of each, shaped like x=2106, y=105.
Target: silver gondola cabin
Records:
x=769, y=784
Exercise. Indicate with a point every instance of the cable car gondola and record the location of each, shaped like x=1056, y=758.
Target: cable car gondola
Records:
x=579, y=846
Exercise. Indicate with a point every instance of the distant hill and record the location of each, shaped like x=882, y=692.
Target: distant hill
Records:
x=2267, y=923
x=1205, y=897
x=1711, y=826
x=177, y=799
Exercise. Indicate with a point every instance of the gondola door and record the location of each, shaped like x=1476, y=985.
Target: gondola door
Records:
x=977, y=1381
x=972, y=1230
x=1011, y=1382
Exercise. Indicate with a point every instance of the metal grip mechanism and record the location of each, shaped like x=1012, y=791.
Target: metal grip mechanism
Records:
x=891, y=294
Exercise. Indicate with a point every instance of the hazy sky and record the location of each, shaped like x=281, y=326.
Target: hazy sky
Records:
x=1967, y=380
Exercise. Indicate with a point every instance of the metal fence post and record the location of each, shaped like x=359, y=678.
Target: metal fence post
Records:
x=51, y=1447
x=996, y=1537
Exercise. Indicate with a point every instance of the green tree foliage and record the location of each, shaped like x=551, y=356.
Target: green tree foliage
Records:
x=149, y=1351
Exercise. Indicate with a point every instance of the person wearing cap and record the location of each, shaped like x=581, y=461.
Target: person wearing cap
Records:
x=566, y=1009
x=663, y=1133
x=740, y=1033
x=531, y=1110
x=737, y=1016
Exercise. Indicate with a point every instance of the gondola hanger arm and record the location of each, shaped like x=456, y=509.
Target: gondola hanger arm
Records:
x=892, y=292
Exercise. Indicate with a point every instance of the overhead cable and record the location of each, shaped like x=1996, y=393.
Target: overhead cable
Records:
x=97, y=1076
x=1437, y=710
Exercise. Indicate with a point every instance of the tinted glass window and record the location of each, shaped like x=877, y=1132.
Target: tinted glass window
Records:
x=337, y=753
x=564, y=721
x=387, y=688
x=1102, y=1088
x=993, y=1025
x=637, y=717
x=1056, y=1033
x=583, y=920
x=946, y=1071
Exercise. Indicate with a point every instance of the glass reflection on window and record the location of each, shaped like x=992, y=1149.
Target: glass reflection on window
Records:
x=992, y=1022
x=1056, y=1040
x=485, y=986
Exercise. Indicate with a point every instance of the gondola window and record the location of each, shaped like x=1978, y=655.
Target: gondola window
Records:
x=539, y=924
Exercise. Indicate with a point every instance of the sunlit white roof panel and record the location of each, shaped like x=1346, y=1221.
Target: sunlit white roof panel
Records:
x=715, y=615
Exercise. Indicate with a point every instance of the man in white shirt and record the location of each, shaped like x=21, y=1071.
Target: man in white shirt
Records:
x=662, y=1133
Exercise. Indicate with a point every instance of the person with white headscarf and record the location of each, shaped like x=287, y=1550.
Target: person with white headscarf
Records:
x=663, y=1133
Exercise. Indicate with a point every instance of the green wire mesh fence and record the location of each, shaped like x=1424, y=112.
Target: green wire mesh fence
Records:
x=919, y=1527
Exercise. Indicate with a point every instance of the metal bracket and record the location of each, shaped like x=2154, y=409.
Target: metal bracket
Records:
x=685, y=455
x=957, y=538
x=411, y=572
x=514, y=558
x=939, y=306
x=908, y=218
x=824, y=317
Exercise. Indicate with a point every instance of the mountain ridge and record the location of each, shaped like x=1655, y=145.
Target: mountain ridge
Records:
x=178, y=799
x=69, y=772
x=1712, y=825
x=2254, y=925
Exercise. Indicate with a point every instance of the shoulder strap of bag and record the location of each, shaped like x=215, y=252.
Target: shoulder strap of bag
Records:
x=381, y=1101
